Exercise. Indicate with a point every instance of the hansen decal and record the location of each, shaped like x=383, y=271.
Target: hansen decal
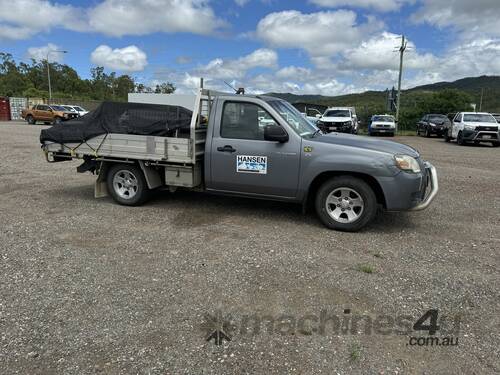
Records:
x=251, y=164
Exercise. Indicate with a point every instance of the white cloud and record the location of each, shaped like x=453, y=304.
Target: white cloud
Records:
x=320, y=34
x=132, y=17
x=294, y=72
x=378, y=53
x=237, y=68
x=40, y=53
x=472, y=18
x=128, y=59
x=25, y=18
x=380, y=5
x=21, y=19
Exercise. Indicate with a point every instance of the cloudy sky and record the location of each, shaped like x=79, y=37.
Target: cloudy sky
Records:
x=327, y=47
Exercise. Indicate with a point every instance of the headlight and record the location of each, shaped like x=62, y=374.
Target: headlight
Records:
x=407, y=163
x=431, y=124
x=469, y=127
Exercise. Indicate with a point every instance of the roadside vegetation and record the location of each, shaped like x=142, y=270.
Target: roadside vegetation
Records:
x=30, y=80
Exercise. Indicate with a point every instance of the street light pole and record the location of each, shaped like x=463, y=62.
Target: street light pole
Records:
x=48, y=70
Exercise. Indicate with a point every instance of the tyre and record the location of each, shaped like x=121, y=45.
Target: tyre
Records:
x=495, y=144
x=446, y=137
x=57, y=121
x=127, y=185
x=346, y=203
x=427, y=133
x=31, y=120
x=391, y=134
x=418, y=131
x=460, y=139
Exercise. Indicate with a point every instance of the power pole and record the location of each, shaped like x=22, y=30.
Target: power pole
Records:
x=402, y=50
x=481, y=102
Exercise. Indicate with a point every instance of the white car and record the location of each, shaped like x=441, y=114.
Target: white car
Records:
x=474, y=127
x=382, y=124
x=76, y=108
x=339, y=119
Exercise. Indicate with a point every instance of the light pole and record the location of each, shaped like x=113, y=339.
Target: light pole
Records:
x=48, y=70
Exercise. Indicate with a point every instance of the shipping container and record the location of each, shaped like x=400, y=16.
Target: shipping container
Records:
x=16, y=106
x=4, y=109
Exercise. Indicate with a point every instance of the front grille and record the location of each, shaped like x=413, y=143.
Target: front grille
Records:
x=487, y=128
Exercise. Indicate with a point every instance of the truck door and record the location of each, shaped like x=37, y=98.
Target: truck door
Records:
x=241, y=161
x=43, y=112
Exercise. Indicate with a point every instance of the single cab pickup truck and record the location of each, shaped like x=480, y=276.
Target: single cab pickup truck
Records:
x=259, y=147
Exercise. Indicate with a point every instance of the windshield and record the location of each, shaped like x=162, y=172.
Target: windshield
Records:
x=80, y=109
x=438, y=118
x=294, y=118
x=58, y=108
x=478, y=117
x=68, y=108
x=337, y=113
x=383, y=118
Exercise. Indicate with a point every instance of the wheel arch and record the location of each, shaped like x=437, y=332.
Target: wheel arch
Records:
x=324, y=176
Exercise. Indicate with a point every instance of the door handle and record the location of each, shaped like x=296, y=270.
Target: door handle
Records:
x=226, y=148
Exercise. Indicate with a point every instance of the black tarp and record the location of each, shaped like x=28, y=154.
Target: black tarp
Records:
x=121, y=118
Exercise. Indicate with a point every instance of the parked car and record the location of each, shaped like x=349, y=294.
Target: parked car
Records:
x=47, y=114
x=432, y=124
x=339, y=119
x=382, y=124
x=81, y=111
x=474, y=127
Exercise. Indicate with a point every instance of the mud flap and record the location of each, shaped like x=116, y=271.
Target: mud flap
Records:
x=153, y=178
x=100, y=187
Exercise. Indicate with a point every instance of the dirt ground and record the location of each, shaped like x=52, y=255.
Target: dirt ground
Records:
x=88, y=286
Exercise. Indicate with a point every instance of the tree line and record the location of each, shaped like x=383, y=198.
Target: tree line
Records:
x=30, y=80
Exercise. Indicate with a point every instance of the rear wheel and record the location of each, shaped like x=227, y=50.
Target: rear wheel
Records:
x=127, y=185
x=346, y=203
x=57, y=121
x=31, y=120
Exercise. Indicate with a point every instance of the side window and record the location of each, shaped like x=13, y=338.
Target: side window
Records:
x=458, y=117
x=244, y=121
x=43, y=108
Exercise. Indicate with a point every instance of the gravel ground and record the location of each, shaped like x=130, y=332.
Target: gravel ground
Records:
x=88, y=286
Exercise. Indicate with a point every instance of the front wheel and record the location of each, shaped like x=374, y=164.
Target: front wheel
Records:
x=127, y=185
x=346, y=203
x=427, y=133
x=495, y=144
x=460, y=139
x=31, y=120
x=446, y=137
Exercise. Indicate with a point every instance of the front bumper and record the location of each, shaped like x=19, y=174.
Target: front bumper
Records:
x=480, y=136
x=330, y=127
x=431, y=185
x=410, y=191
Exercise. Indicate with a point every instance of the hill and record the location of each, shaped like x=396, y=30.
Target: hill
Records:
x=374, y=101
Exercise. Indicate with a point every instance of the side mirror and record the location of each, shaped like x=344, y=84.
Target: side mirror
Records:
x=275, y=133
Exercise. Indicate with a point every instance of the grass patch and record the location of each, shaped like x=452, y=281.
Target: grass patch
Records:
x=366, y=268
x=355, y=352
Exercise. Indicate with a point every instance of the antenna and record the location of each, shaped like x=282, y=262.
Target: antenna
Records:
x=230, y=86
x=239, y=91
